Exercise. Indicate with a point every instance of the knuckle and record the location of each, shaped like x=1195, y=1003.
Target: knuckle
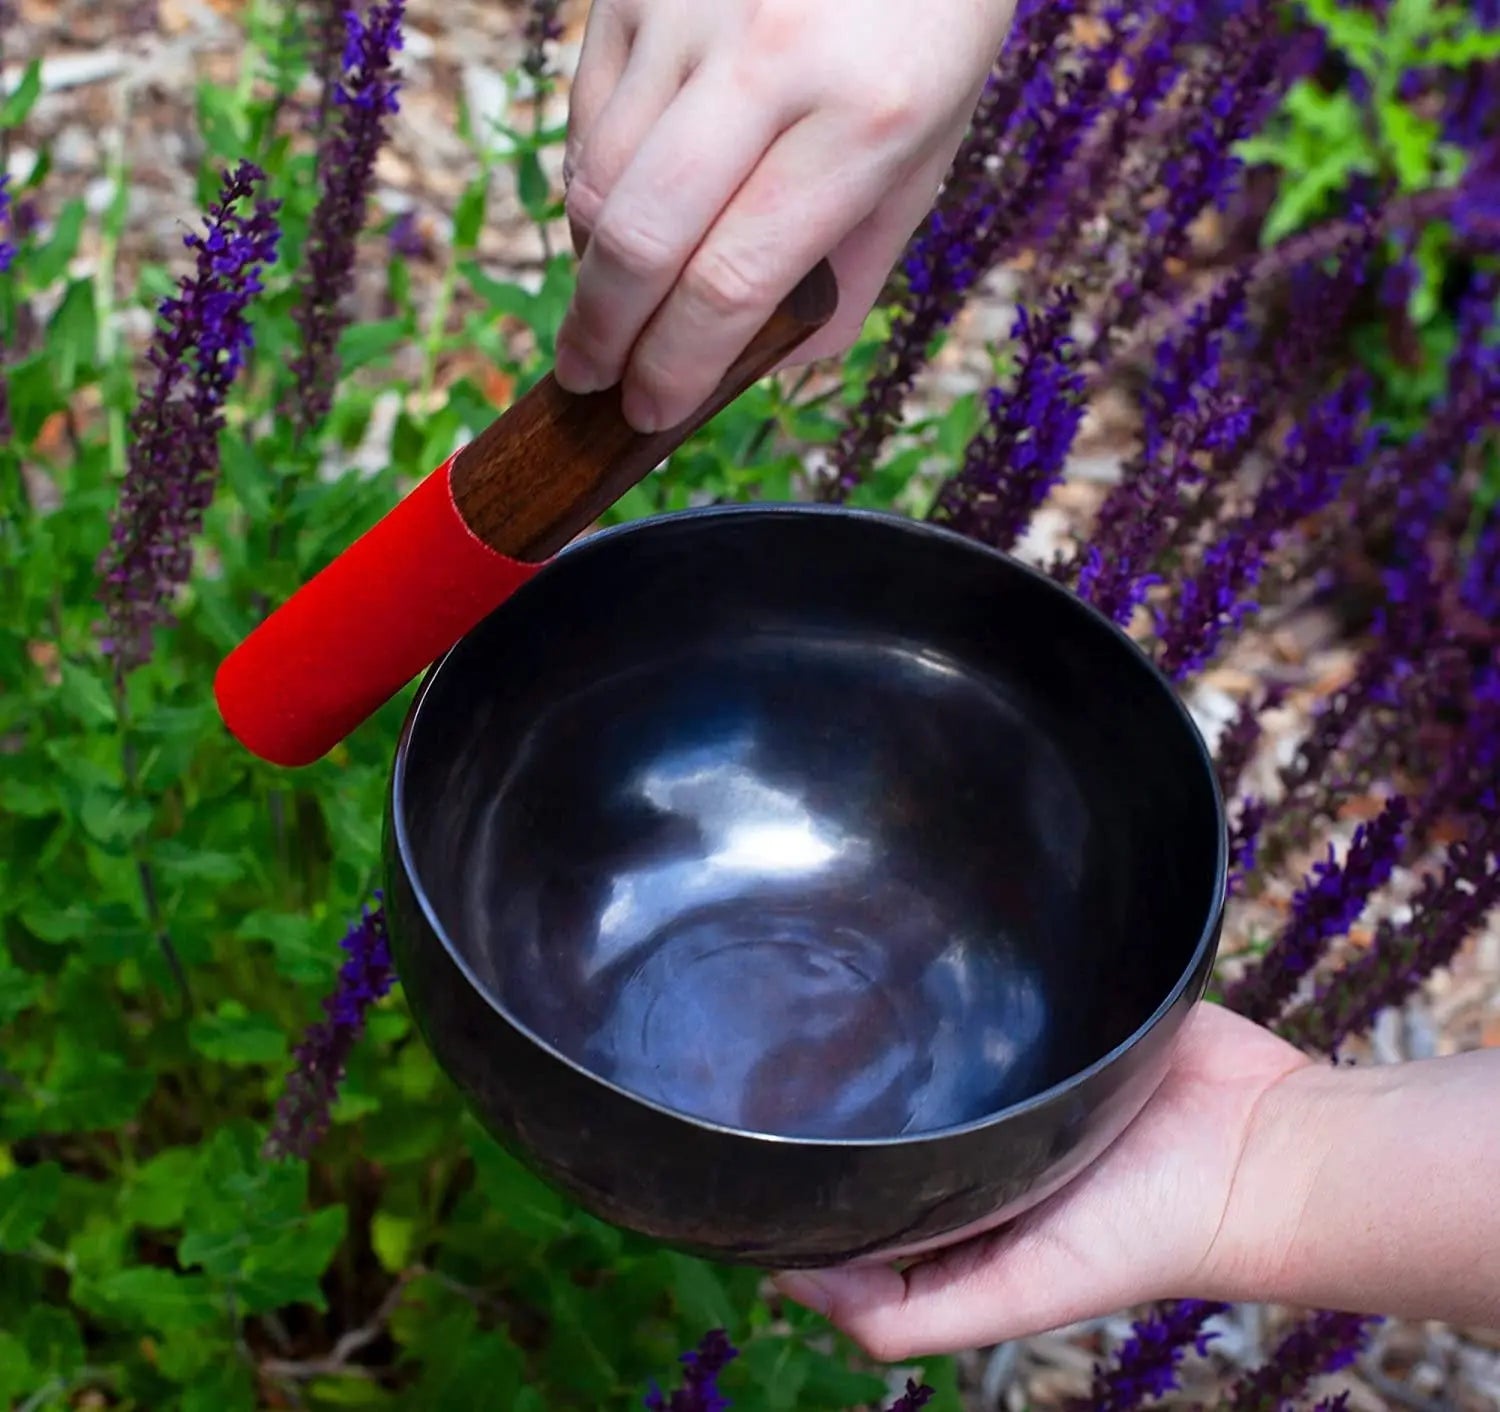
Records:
x=631, y=245
x=583, y=202
x=722, y=284
x=889, y=106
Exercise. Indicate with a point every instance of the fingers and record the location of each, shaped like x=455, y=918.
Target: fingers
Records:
x=607, y=38
x=630, y=83
x=794, y=208
x=689, y=166
x=1011, y=1284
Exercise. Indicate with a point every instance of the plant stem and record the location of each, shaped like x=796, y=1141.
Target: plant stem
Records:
x=149, y=893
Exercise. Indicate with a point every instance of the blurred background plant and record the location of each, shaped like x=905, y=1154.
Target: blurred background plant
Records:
x=1204, y=323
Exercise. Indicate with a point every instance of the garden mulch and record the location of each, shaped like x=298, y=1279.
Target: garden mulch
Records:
x=119, y=85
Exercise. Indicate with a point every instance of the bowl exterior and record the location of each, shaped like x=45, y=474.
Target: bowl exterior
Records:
x=741, y=1198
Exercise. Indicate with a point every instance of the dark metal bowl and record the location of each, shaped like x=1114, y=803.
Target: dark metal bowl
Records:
x=794, y=884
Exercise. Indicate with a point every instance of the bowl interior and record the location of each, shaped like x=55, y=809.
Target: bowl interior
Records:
x=811, y=823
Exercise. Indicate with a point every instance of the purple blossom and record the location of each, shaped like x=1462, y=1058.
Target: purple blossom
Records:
x=1322, y=1343
x=1322, y=295
x=543, y=29
x=364, y=96
x=1480, y=588
x=7, y=246
x=1240, y=738
x=405, y=239
x=1189, y=364
x=1464, y=786
x=1476, y=208
x=1145, y=1365
x=325, y=29
x=1153, y=62
x=302, y=1115
x=916, y=1397
x=200, y=345
x=1327, y=905
x=1153, y=505
x=1227, y=98
x=1216, y=597
x=1445, y=911
x=1190, y=415
x=1244, y=842
x=1016, y=459
x=700, y=1382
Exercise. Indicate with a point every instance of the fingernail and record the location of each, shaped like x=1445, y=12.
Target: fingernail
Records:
x=640, y=410
x=574, y=372
x=806, y=1289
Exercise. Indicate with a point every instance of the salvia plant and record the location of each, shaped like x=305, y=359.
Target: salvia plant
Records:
x=231, y=1176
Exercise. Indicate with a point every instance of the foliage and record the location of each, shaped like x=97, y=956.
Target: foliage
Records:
x=170, y=909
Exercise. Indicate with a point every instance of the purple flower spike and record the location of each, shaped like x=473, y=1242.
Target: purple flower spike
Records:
x=700, y=1384
x=1012, y=464
x=1326, y=907
x=302, y=1116
x=1322, y=1343
x=200, y=345
x=1226, y=102
x=1446, y=910
x=7, y=246
x=364, y=97
x=1240, y=738
x=1216, y=598
x=963, y=236
x=1146, y=1364
x=1244, y=843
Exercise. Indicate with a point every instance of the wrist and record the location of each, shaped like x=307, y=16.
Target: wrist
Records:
x=1369, y=1189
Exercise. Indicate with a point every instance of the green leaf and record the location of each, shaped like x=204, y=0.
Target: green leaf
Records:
x=701, y=1292
x=532, y=185
x=288, y=1268
x=159, y=1299
x=226, y=1387
x=50, y=260
x=1411, y=142
x=20, y=100
x=53, y=1342
x=392, y=1238
x=91, y=1090
x=156, y=1194
x=73, y=334
x=232, y=1035
x=468, y=215
x=84, y=696
x=17, y=1375
x=1478, y=47
x=298, y=942
x=364, y=343
x=28, y=1196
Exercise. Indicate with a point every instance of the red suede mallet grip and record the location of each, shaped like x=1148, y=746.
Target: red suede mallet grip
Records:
x=458, y=546
x=355, y=634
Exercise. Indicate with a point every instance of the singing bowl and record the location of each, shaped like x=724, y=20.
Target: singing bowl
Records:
x=799, y=885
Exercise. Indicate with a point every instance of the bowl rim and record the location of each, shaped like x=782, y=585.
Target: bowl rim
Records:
x=1208, y=937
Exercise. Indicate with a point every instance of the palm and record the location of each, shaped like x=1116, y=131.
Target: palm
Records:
x=1137, y=1225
